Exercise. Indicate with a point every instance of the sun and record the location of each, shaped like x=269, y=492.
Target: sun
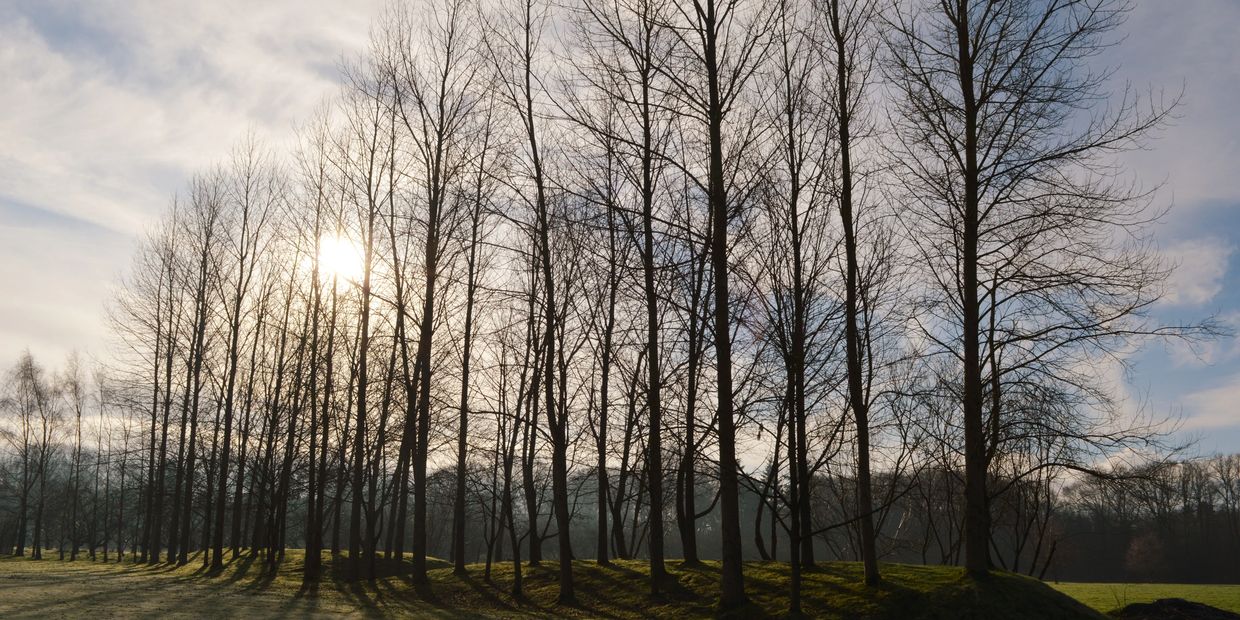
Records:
x=340, y=257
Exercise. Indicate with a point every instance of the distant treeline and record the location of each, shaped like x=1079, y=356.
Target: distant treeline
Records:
x=1170, y=523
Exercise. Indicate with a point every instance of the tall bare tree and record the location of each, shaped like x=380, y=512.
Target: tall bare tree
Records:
x=1018, y=213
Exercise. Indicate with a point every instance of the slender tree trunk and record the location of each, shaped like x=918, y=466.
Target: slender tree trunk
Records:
x=157, y=518
x=654, y=394
x=212, y=490
x=458, y=512
x=977, y=512
x=221, y=491
x=688, y=514
x=363, y=379
x=732, y=583
x=149, y=489
x=858, y=400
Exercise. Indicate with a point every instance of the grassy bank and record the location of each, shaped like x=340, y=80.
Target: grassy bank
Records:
x=246, y=587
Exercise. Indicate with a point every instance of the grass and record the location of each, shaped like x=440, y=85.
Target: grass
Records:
x=245, y=588
x=1110, y=596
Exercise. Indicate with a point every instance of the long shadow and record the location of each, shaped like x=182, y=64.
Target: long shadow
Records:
x=615, y=586
x=267, y=571
x=487, y=591
x=147, y=581
x=426, y=593
x=605, y=591
x=307, y=594
x=356, y=593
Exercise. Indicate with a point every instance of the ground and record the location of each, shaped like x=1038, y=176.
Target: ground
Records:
x=1108, y=596
x=244, y=588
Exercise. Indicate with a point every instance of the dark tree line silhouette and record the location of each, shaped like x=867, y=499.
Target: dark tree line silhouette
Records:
x=845, y=274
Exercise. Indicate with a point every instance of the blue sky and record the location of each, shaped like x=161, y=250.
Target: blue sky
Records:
x=108, y=106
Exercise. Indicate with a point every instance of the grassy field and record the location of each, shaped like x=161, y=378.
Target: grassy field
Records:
x=1108, y=596
x=245, y=588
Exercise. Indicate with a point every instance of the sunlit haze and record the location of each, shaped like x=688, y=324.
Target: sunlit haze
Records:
x=340, y=257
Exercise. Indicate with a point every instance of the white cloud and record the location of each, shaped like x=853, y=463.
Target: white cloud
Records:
x=1200, y=267
x=54, y=290
x=1216, y=407
x=1168, y=47
x=105, y=130
x=108, y=107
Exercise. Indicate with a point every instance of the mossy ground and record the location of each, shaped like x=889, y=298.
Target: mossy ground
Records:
x=246, y=588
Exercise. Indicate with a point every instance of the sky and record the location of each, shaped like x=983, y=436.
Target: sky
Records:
x=108, y=107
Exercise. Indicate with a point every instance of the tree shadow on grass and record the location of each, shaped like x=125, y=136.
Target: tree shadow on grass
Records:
x=306, y=595
x=488, y=592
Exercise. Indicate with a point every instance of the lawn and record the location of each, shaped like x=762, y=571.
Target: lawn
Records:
x=1107, y=596
x=245, y=588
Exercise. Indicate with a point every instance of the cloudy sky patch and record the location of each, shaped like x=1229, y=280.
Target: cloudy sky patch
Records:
x=110, y=106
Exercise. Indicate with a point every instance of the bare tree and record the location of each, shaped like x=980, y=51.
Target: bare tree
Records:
x=515, y=51
x=850, y=50
x=433, y=102
x=251, y=202
x=722, y=44
x=1034, y=246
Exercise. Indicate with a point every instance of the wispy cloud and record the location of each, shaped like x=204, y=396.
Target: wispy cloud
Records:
x=108, y=107
x=1216, y=407
x=1201, y=265
x=1187, y=46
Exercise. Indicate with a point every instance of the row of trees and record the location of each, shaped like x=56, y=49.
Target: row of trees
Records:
x=74, y=469
x=797, y=260
x=1180, y=522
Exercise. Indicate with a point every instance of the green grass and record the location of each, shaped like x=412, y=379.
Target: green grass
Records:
x=1110, y=596
x=244, y=587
